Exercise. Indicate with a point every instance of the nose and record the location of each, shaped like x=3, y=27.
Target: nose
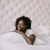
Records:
x=19, y=25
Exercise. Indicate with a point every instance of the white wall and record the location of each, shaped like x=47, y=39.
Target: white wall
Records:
x=47, y=1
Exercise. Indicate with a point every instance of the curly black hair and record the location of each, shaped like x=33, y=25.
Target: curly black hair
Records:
x=26, y=20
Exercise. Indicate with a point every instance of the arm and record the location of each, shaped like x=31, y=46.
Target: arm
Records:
x=10, y=31
x=30, y=39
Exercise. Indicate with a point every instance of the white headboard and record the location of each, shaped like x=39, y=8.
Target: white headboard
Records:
x=37, y=10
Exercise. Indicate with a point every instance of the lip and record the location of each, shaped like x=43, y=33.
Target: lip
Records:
x=19, y=28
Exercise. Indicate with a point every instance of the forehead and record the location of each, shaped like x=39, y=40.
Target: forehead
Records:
x=21, y=21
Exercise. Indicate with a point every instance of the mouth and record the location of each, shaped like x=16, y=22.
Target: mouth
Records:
x=19, y=28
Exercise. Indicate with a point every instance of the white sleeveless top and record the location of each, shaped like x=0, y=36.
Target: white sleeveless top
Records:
x=29, y=32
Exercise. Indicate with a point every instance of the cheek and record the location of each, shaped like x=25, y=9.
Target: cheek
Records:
x=22, y=26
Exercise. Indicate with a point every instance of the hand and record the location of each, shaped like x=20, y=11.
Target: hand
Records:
x=18, y=32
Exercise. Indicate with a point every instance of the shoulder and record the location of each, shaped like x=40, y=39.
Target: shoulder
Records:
x=29, y=32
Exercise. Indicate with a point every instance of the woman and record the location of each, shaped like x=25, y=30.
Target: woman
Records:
x=23, y=27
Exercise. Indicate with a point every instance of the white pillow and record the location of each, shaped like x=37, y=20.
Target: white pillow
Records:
x=45, y=29
x=39, y=41
x=45, y=37
x=13, y=36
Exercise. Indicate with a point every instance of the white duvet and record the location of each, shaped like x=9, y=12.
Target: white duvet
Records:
x=5, y=45
x=7, y=42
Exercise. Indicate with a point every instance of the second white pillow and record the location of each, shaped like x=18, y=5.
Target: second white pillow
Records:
x=44, y=29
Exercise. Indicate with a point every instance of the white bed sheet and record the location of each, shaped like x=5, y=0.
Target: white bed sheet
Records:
x=6, y=45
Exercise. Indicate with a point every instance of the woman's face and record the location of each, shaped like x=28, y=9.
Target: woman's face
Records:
x=21, y=26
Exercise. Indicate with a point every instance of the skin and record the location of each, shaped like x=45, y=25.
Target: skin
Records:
x=49, y=28
x=21, y=30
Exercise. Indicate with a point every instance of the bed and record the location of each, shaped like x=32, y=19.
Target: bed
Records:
x=37, y=10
